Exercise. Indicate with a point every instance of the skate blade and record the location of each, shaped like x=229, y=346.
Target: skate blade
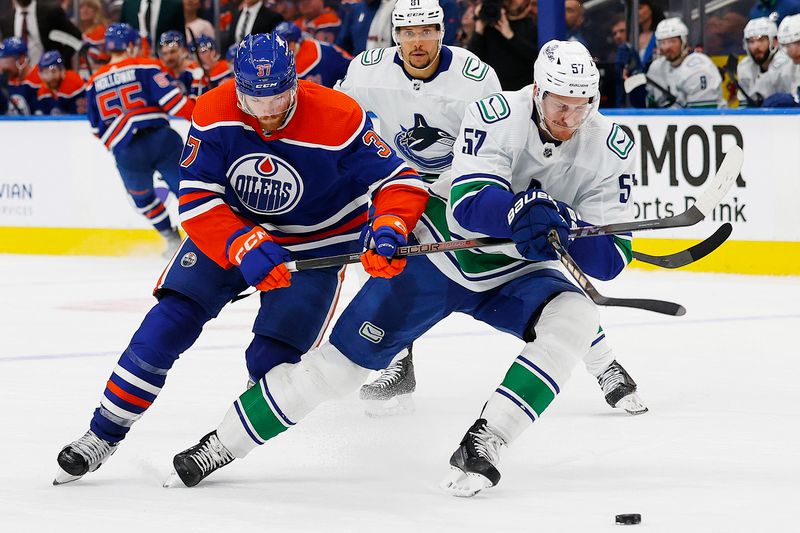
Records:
x=62, y=477
x=464, y=484
x=632, y=404
x=173, y=481
x=399, y=405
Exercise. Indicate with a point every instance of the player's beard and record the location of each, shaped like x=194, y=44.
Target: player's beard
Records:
x=420, y=61
x=760, y=57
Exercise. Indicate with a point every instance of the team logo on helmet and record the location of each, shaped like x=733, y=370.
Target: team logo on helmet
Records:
x=265, y=184
x=429, y=147
x=550, y=52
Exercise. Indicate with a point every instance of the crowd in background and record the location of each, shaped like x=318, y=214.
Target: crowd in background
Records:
x=503, y=33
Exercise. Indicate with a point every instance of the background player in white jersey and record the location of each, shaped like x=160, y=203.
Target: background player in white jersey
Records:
x=692, y=79
x=788, y=93
x=758, y=71
x=420, y=91
x=512, y=146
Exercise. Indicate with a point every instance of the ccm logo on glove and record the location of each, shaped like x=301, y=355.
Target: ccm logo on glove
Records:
x=254, y=238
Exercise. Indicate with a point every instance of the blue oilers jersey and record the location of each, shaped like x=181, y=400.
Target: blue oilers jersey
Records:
x=134, y=94
x=309, y=184
x=321, y=62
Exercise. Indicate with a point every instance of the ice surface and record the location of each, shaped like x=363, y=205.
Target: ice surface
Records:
x=717, y=452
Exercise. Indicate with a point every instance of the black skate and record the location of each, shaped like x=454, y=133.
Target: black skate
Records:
x=390, y=393
x=84, y=455
x=473, y=464
x=196, y=463
x=620, y=389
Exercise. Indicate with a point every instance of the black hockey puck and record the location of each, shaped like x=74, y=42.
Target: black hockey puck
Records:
x=628, y=519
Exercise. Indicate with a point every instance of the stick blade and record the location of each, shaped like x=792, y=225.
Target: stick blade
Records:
x=637, y=80
x=656, y=306
x=690, y=255
x=722, y=182
x=66, y=39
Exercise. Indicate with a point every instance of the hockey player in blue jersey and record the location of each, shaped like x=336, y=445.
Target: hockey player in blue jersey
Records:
x=261, y=184
x=63, y=92
x=316, y=61
x=175, y=56
x=19, y=80
x=215, y=68
x=511, y=146
x=129, y=102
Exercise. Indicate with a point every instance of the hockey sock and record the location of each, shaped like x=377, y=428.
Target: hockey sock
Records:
x=168, y=330
x=564, y=331
x=265, y=353
x=286, y=394
x=153, y=209
x=599, y=356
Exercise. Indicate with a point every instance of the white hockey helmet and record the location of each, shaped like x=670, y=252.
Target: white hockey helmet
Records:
x=789, y=30
x=672, y=27
x=417, y=13
x=565, y=68
x=761, y=27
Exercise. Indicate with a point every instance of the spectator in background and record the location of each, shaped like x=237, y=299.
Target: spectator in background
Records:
x=32, y=21
x=319, y=21
x=575, y=16
x=505, y=37
x=322, y=63
x=194, y=23
x=19, y=79
x=92, y=24
x=62, y=91
x=285, y=8
x=253, y=17
x=141, y=15
x=775, y=9
x=650, y=15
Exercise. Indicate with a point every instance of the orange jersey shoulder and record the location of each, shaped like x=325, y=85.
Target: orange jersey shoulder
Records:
x=219, y=105
x=95, y=35
x=342, y=115
x=307, y=56
x=72, y=84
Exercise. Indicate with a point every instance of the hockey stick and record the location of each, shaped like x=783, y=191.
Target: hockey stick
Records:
x=657, y=306
x=719, y=187
x=637, y=80
x=80, y=47
x=193, y=47
x=730, y=68
x=690, y=255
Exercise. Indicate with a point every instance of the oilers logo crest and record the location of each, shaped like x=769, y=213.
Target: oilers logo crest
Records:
x=429, y=148
x=265, y=184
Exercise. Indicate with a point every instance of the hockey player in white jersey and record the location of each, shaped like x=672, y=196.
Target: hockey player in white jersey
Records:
x=691, y=79
x=788, y=92
x=511, y=148
x=419, y=91
x=758, y=71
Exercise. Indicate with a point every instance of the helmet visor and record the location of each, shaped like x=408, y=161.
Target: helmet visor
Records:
x=565, y=111
x=415, y=33
x=267, y=106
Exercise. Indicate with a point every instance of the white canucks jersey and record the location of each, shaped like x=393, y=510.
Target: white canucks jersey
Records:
x=499, y=145
x=753, y=80
x=789, y=79
x=696, y=82
x=419, y=118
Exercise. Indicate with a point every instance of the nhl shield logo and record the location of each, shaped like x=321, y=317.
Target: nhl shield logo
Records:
x=265, y=184
x=548, y=152
x=188, y=260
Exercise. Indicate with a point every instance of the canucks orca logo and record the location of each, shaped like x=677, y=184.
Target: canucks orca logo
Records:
x=429, y=147
x=265, y=184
